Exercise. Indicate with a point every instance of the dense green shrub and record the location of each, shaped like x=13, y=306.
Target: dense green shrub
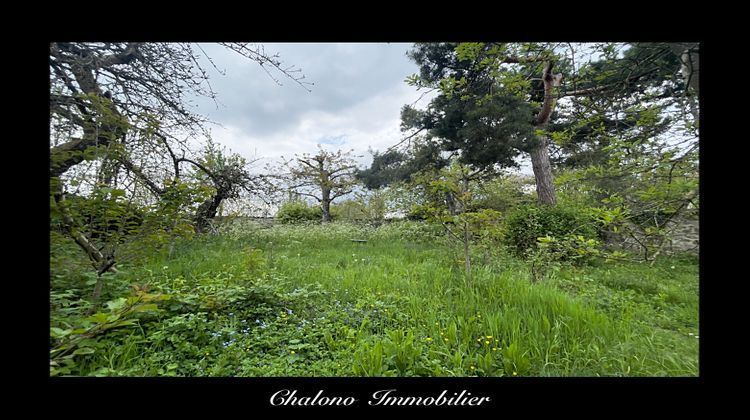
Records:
x=527, y=223
x=298, y=212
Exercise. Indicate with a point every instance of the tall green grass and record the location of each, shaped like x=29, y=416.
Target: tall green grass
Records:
x=398, y=305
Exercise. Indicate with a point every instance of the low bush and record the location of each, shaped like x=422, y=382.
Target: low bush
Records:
x=526, y=224
x=298, y=212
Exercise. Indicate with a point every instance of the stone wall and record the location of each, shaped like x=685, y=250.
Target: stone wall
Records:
x=683, y=236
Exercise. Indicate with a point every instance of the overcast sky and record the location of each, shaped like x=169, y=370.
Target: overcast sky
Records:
x=355, y=102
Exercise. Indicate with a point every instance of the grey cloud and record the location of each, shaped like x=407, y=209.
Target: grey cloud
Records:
x=344, y=76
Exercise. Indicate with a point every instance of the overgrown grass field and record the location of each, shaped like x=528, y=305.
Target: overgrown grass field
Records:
x=307, y=301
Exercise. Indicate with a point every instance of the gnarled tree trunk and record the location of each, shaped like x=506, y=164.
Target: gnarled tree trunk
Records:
x=207, y=211
x=540, y=163
x=102, y=123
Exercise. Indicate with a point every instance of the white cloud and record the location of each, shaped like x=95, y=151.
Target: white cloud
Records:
x=372, y=123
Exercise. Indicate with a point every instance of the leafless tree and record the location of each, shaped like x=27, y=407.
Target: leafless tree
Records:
x=324, y=176
x=124, y=108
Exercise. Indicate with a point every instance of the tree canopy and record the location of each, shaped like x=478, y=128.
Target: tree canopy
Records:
x=123, y=109
x=497, y=102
